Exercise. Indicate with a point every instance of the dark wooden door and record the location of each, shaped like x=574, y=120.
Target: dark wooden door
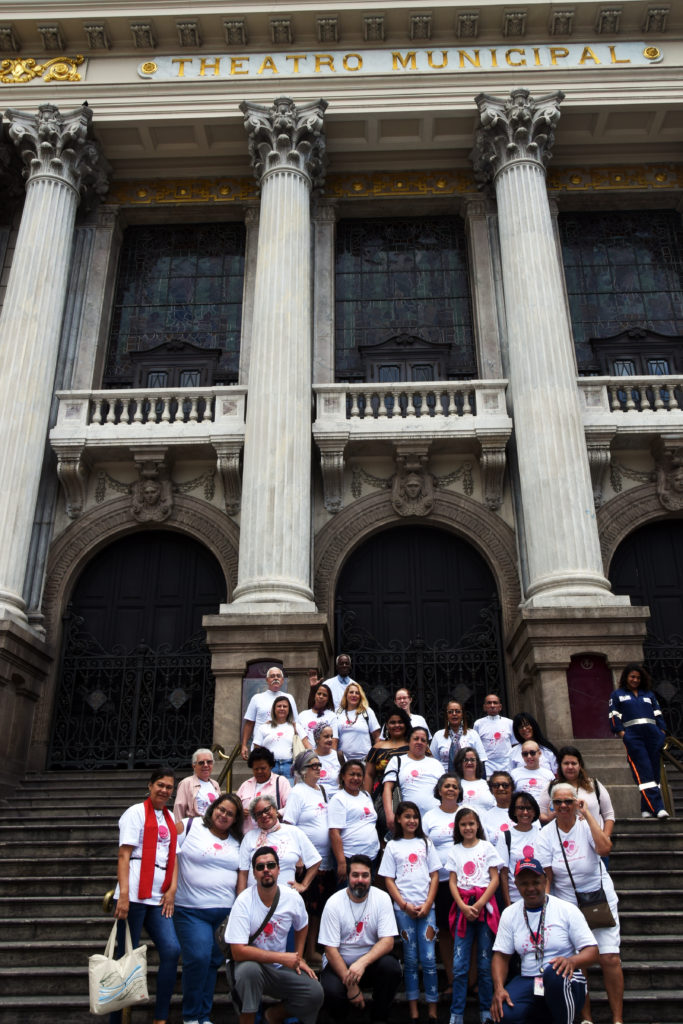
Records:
x=135, y=684
x=648, y=566
x=417, y=607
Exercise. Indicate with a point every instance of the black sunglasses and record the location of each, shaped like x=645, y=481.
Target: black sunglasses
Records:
x=268, y=866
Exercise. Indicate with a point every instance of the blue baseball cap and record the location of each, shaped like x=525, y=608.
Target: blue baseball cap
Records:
x=529, y=864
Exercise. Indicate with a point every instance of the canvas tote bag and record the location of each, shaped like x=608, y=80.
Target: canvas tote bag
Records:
x=115, y=984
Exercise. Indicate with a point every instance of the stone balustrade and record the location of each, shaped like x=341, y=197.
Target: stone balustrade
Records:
x=627, y=402
x=426, y=407
x=149, y=414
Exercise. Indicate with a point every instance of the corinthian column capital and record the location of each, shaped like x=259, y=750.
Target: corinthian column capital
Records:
x=286, y=137
x=60, y=146
x=515, y=128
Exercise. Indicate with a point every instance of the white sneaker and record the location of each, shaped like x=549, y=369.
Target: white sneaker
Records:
x=662, y=813
x=643, y=814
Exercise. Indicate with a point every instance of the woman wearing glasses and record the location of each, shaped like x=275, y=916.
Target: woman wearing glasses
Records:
x=307, y=809
x=197, y=791
x=475, y=791
x=290, y=843
x=455, y=734
x=208, y=860
x=569, y=850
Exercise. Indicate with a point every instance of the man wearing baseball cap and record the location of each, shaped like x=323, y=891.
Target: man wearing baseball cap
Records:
x=554, y=943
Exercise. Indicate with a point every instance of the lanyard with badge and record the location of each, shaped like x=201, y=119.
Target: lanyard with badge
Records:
x=538, y=942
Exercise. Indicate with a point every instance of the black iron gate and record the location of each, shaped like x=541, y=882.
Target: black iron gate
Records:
x=466, y=671
x=130, y=708
x=664, y=661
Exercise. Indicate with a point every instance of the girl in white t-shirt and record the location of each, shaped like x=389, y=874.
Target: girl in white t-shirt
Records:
x=410, y=868
x=277, y=735
x=473, y=865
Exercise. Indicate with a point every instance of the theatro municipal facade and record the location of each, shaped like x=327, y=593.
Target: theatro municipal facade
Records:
x=335, y=328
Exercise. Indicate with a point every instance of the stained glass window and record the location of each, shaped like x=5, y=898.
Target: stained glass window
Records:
x=405, y=276
x=179, y=282
x=624, y=269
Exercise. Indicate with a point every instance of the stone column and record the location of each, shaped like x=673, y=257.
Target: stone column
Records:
x=483, y=289
x=251, y=219
x=61, y=162
x=287, y=150
x=324, y=224
x=513, y=145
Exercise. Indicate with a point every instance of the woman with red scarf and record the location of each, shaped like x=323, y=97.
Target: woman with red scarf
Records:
x=147, y=879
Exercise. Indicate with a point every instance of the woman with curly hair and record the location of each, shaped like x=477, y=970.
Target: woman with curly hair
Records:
x=357, y=723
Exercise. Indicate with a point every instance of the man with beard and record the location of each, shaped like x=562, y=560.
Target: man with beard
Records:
x=257, y=930
x=357, y=929
x=555, y=943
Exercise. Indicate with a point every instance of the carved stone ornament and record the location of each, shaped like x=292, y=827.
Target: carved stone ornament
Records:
x=228, y=463
x=285, y=136
x=600, y=462
x=72, y=472
x=332, y=466
x=513, y=128
x=151, y=496
x=58, y=145
x=670, y=477
x=492, y=462
x=412, y=486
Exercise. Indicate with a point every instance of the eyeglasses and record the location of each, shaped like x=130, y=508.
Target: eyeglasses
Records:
x=269, y=865
x=203, y=762
x=315, y=765
x=559, y=803
x=466, y=761
x=264, y=810
x=500, y=785
x=223, y=811
x=530, y=753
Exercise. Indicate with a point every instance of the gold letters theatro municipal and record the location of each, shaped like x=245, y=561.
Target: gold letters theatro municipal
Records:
x=573, y=56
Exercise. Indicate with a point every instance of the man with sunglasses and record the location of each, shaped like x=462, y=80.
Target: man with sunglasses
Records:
x=257, y=931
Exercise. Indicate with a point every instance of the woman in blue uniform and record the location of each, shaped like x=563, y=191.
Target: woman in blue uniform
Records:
x=636, y=717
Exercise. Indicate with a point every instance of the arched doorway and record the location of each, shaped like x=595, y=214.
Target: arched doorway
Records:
x=135, y=687
x=418, y=607
x=648, y=566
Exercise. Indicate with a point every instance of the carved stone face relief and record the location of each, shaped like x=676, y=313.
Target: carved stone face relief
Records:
x=670, y=481
x=152, y=500
x=412, y=488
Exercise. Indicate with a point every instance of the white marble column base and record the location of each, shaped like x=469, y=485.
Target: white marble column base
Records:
x=572, y=590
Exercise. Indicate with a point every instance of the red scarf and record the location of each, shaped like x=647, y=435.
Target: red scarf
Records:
x=149, y=851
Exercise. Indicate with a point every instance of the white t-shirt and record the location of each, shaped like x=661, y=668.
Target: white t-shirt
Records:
x=307, y=808
x=441, y=744
x=248, y=913
x=548, y=759
x=565, y=932
x=439, y=827
x=354, y=928
x=585, y=864
x=416, y=779
x=277, y=738
x=131, y=833
x=477, y=795
x=414, y=720
x=338, y=684
x=309, y=721
x=410, y=863
x=496, y=820
x=261, y=704
x=522, y=844
x=290, y=844
x=354, y=732
x=472, y=863
x=497, y=736
x=329, y=772
x=532, y=780
x=207, y=868
x=204, y=796
x=355, y=817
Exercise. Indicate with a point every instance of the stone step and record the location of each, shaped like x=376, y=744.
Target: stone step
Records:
x=12, y=907
x=662, y=899
x=65, y=809
x=642, y=1005
x=648, y=828
x=15, y=867
x=32, y=928
x=630, y=878
x=70, y=847
x=668, y=859
x=57, y=886
x=30, y=832
x=645, y=923
x=650, y=947
x=641, y=975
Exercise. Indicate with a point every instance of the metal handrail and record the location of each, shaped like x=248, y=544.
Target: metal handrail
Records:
x=667, y=757
x=226, y=771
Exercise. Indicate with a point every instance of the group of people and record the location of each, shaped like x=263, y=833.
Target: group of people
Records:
x=481, y=838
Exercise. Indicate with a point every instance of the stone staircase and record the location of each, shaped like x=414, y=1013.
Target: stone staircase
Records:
x=58, y=842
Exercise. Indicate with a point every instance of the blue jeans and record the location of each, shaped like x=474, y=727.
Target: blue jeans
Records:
x=462, y=951
x=284, y=768
x=418, y=950
x=162, y=933
x=195, y=929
